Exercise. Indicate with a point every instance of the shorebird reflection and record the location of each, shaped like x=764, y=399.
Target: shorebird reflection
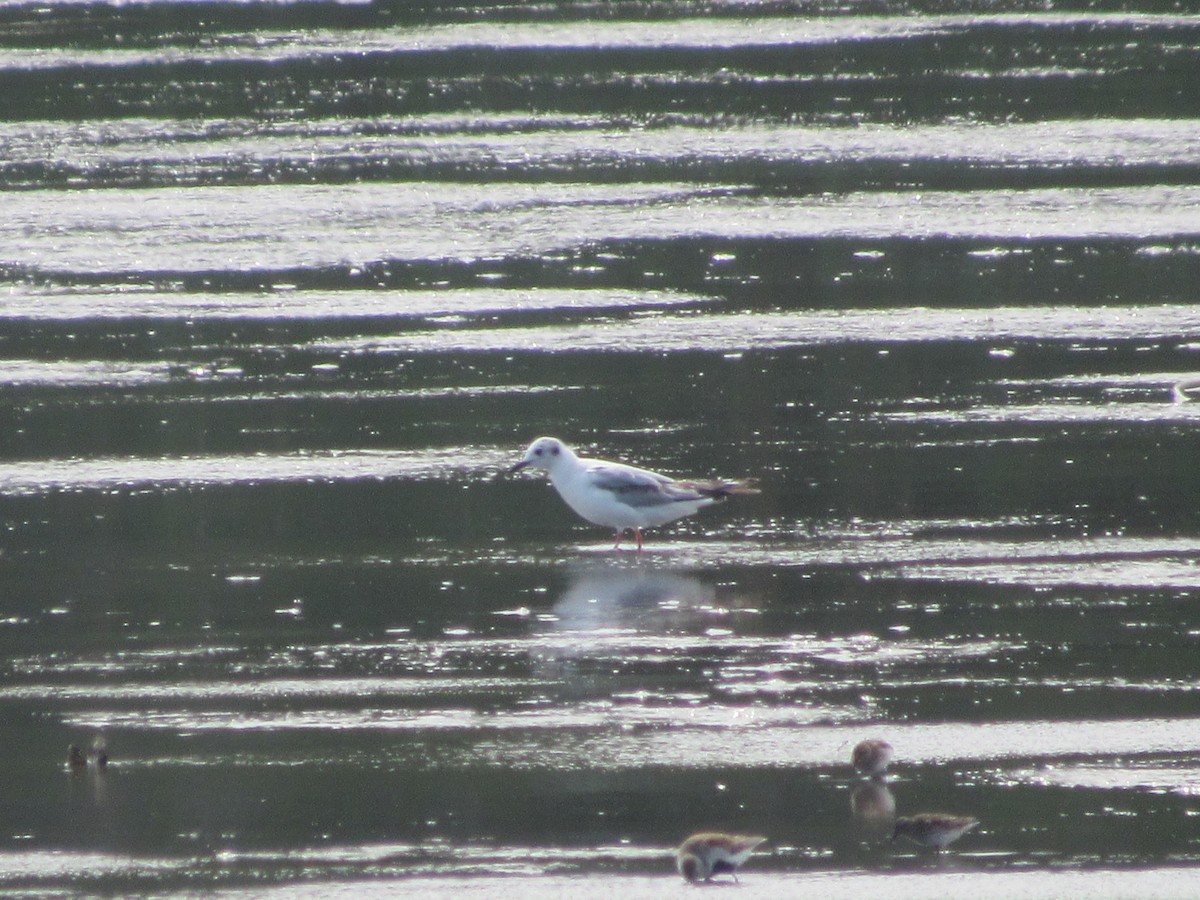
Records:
x=873, y=806
x=871, y=801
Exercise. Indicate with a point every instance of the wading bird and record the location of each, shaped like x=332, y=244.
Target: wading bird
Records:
x=704, y=855
x=619, y=496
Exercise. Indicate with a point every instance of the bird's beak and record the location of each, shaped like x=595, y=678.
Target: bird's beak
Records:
x=518, y=467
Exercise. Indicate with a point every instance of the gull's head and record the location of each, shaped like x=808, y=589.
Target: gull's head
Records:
x=544, y=453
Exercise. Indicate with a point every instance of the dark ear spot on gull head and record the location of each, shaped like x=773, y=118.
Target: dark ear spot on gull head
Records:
x=539, y=452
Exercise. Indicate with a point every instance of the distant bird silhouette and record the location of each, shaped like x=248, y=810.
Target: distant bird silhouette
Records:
x=619, y=496
x=97, y=755
x=937, y=830
x=872, y=757
x=704, y=855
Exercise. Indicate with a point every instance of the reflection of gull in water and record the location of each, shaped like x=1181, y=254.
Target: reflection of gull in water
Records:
x=1186, y=389
x=609, y=596
x=616, y=610
x=607, y=608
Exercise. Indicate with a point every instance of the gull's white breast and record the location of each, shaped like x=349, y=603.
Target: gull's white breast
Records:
x=620, y=496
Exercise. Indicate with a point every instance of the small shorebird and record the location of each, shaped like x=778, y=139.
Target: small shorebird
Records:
x=872, y=757
x=620, y=496
x=704, y=855
x=937, y=830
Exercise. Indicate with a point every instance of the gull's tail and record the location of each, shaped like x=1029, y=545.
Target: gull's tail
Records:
x=720, y=489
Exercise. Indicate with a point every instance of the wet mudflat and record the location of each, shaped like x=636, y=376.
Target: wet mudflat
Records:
x=284, y=291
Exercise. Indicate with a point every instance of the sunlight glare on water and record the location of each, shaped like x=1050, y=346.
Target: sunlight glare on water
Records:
x=286, y=290
x=189, y=230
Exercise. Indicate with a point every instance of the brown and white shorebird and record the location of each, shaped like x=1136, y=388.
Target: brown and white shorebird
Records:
x=711, y=853
x=937, y=830
x=872, y=757
x=622, y=497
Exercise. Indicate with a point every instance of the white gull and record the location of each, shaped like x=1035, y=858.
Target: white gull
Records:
x=620, y=496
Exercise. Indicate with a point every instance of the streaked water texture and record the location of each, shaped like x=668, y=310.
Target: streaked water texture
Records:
x=286, y=288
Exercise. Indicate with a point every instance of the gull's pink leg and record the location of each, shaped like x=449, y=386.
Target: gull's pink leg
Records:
x=617, y=545
x=637, y=533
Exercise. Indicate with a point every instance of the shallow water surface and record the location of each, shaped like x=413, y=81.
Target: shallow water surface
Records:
x=285, y=289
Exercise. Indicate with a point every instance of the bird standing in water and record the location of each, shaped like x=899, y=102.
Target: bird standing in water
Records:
x=937, y=830
x=622, y=497
x=872, y=757
x=704, y=855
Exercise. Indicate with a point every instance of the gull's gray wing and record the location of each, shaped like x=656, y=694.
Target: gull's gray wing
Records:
x=638, y=487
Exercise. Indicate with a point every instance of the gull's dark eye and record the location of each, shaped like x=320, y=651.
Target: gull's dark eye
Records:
x=554, y=451
x=537, y=452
